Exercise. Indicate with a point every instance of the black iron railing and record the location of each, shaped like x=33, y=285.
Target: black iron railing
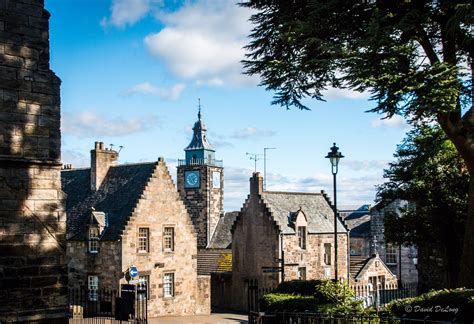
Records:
x=105, y=306
x=205, y=161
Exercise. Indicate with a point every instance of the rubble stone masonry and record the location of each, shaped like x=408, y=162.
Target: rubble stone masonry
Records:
x=205, y=203
x=33, y=278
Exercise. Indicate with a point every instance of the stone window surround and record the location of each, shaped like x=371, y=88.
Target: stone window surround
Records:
x=302, y=237
x=92, y=286
x=173, y=238
x=146, y=275
x=146, y=237
x=390, y=254
x=93, y=239
x=169, y=274
x=327, y=253
x=302, y=273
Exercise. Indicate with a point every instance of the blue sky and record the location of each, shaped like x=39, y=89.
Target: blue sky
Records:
x=132, y=72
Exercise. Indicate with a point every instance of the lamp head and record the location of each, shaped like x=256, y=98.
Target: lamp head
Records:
x=334, y=157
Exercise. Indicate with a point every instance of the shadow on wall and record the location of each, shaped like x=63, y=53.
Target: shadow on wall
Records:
x=33, y=279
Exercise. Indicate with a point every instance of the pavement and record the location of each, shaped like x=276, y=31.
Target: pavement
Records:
x=201, y=319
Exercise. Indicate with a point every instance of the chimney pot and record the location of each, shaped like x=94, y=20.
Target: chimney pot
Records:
x=101, y=160
x=256, y=184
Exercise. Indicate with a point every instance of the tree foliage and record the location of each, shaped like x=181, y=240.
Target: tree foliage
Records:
x=409, y=54
x=415, y=58
x=429, y=173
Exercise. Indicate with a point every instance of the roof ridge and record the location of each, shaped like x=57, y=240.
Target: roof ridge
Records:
x=133, y=164
x=293, y=193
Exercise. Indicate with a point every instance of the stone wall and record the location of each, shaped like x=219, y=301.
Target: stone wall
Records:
x=255, y=244
x=409, y=272
x=205, y=203
x=106, y=264
x=312, y=258
x=161, y=206
x=33, y=278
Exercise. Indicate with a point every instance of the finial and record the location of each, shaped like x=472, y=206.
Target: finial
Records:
x=199, y=105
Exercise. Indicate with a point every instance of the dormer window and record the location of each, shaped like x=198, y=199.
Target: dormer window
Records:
x=93, y=238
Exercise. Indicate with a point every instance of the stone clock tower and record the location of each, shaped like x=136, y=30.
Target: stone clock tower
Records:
x=201, y=184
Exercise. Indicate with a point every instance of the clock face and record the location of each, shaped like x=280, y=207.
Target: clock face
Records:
x=191, y=179
x=216, y=179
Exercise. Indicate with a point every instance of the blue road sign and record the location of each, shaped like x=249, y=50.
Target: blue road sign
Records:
x=133, y=271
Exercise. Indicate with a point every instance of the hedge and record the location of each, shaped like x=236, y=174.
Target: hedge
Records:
x=323, y=296
x=276, y=302
x=446, y=305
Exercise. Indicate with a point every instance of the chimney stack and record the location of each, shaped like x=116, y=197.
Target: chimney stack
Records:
x=101, y=160
x=256, y=184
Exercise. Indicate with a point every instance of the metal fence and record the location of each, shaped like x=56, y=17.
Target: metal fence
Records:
x=382, y=296
x=99, y=306
x=318, y=318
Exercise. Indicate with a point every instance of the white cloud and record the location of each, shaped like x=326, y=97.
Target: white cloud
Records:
x=203, y=41
x=252, y=133
x=171, y=93
x=359, y=165
x=126, y=12
x=351, y=190
x=222, y=144
x=395, y=122
x=77, y=159
x=90, y=124
x=336, y=93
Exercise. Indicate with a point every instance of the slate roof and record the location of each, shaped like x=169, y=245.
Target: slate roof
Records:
x=361, y=229
x=317, y=210
x=357, y=263
x=199, y=140
x=117, y=196
x=222, y=237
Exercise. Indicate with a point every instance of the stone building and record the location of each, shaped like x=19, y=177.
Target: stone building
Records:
x=200, y=182
x=298, y=225
x=401, y=260
x=372, y=270
x=33, y=279
x=357, y=220
x=124, y=215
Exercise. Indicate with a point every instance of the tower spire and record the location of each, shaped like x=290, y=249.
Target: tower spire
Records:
x=199, y=106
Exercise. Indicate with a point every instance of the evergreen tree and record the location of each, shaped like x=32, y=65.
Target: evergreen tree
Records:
x=429, y=173
x=415, y=57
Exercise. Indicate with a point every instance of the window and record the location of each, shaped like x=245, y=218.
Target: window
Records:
x=144, y=286
x=168, y=285
x=93, y=239
x=390, y=254
x=93, y=287
x=327, y=253
x=302, y=236
x=302, y=273
x=143, y=238
x=168, y=239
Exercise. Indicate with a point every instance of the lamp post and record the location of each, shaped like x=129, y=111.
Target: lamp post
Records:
x=334, y=156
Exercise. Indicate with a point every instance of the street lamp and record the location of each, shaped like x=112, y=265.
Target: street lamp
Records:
x=334, y=156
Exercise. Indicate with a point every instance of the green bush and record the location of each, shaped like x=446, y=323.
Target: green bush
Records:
x=322, y=296
x=438, y=305
x=276, y=302
x=298, y=287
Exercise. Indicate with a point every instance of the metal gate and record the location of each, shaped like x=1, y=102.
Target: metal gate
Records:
x=99, y=306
